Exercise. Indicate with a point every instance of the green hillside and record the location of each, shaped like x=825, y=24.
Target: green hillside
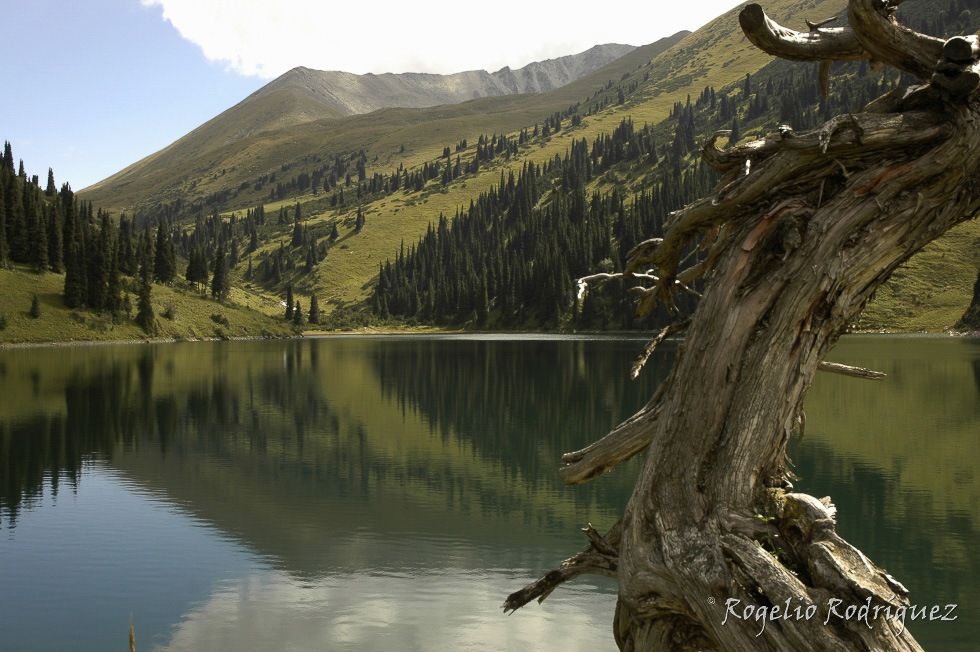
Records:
x=316, y=205
x=181, y=314
x=294, y=128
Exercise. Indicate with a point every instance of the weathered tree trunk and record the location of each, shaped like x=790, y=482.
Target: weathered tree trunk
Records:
x=714, y=551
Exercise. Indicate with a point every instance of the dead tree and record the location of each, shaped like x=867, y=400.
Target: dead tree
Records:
x=714, y=550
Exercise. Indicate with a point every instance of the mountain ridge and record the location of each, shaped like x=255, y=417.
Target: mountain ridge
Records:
x=237, y=138
x=352, y=94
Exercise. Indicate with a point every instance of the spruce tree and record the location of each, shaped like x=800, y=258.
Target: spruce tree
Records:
x=298, y=314
x=314, y=317
x=113, y=300
x=74, y=292
x=99, y=260
x=289, y=301
x=55, y=246
x=297, y=235
x=219, y=282
x=145, y=318
x=197, y=268
x=38, y=235
x=35, y=311
x=165, y=263
x=8, y=156
x=735, y=135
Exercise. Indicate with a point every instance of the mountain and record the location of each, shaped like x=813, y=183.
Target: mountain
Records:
x=378, y=180
x=350, y=94
x=296, y=115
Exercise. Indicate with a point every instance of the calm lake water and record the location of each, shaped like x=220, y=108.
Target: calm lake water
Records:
x=387, y=493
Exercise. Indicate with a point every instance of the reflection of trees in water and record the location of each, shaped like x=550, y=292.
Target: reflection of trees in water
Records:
x=126, y=400
x=264, y=409
x=523, y=403
x=258, y=408
x=96, y=418
x=937, y=569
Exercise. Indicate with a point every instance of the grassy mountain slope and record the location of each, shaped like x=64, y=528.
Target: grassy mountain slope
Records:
x=230, y=150
x=197, y=159
x=192, y=314
x=674, y=74
x=930, y=294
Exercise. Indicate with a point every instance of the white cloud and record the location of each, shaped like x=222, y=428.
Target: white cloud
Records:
x=265, y=39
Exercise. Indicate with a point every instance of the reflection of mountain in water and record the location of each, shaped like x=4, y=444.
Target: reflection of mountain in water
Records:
x=300, y=436
x=332, y=453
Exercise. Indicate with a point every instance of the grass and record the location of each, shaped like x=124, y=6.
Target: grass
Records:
x=933, y=290
x=191, y=314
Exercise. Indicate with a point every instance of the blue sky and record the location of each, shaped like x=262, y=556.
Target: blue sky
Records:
x=91, y=86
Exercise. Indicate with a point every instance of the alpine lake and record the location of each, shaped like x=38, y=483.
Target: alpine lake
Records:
x=388, y=492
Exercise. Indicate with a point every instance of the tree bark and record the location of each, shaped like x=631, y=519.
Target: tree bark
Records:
x=714, y=550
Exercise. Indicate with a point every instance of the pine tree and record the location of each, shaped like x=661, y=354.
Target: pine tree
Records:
x=735, y=135
x=35, y=311
x=197, y=268
x=99, y=256
x=289, y=301
x=165, y=263
x=38, y=235
x=55, y=245
x=334, y=233
x=314, y=317
x=128, y=263
x=8, y=157
x=297, y=231
x=145, y=318
x=359, y=222
x=219, y=282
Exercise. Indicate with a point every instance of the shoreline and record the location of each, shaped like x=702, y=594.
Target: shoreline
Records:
x=416, y=331
x=161, y=340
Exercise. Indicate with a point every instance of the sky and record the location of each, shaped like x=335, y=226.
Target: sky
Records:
x=92, y=86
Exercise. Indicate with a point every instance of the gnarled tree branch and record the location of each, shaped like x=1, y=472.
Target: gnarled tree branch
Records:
x=818, y=44
x=876, y=29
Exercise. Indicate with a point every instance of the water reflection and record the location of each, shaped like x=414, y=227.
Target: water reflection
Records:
x=365, y=612
x=375, y=466
x=900, y=460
